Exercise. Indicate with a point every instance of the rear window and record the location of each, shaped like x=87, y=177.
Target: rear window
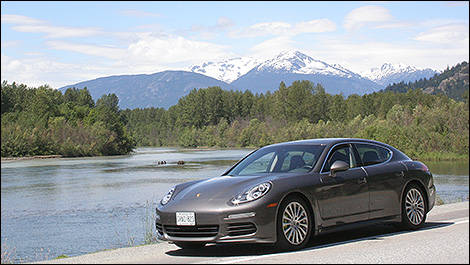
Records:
x=372, y=154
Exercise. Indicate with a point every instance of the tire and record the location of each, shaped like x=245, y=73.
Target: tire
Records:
x=190, y=245
x=413, y=208
x=295, y=234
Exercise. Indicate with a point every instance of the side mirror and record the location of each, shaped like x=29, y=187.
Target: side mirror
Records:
x=338, y=166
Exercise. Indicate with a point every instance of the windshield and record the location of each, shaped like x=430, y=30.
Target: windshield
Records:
x=279, y=159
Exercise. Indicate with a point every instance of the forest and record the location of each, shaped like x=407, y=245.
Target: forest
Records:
x=41, y=121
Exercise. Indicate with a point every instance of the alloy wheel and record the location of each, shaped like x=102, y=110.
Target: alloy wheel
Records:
x=414, y=206
x=295, y=223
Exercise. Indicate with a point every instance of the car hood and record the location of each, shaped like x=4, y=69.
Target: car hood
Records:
x=218, y=188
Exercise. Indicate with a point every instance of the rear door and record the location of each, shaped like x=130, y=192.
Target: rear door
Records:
x=385, y=179
x=345, y=197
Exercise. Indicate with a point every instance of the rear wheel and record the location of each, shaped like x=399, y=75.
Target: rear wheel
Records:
x=294, y=223
x=190, y=245
x=413, y=207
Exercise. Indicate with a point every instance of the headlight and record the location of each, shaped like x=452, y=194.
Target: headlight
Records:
x=167, y=196
x=252, y=194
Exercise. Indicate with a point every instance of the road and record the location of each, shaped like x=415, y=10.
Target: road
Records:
x=444, y=239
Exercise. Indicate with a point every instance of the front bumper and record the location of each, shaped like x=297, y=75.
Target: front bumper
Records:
x=251, y=223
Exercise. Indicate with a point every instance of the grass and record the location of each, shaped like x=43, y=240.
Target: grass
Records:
x=63, y=256
x=148, y=221
x=8, y=254
x=441, y=156
x=439, y=200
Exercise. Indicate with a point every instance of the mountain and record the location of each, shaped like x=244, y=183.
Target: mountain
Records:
x=290, y=66
x=227, y=70
x=453, y=82
x=395, y=73
x=161, y=89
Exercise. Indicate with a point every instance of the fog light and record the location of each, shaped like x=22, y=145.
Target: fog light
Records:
x=240, y=215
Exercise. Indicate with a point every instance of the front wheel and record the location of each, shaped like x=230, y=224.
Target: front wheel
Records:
x=190, y=245
x=413, y=208
x=294, y=224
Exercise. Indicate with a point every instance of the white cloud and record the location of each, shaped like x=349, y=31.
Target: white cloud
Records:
x=58, y=32
x=94, y=50
x=361, y=16
x=361, y=56
x=394, y=25
x=208, y=32
x=148, y=54
x=174, y=49
x=18, y=19
x=40, y=71
x=271, y=47
x=315, y=26
x=285, y=29
x=447, y=34
x=224, y=23
x=10, y=43
x=32, y=25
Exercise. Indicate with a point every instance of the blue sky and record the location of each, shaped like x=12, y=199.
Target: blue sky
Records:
x=61, y=43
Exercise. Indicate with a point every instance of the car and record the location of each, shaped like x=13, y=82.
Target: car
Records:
x=284, y=193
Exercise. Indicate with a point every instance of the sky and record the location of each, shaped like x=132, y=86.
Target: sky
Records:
x=62, y=43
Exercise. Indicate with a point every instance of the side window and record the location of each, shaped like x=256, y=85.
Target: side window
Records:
x=260, y=165
x=297, y=161
x=372, y=154
x=341, y=153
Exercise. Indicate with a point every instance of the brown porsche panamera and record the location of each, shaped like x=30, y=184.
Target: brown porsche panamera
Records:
x=284, y=193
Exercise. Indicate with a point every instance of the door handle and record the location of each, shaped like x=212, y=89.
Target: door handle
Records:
x=362, y=181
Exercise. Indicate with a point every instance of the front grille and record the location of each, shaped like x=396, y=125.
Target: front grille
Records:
x=159, y=228
x=239, y=229
x=192, y=231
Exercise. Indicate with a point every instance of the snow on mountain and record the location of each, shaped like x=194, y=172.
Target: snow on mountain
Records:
x=227, y=70
x=299, y=63
x=290, y=66
x=387, y=69
x=393, y=73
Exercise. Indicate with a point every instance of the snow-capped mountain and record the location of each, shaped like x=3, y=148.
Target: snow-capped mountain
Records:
x=299, y=63
x=394, y=73
x=163, y=89
x=290, y=66
x=227, y=70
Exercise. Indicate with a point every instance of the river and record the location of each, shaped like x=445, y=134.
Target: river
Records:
x=74, y=206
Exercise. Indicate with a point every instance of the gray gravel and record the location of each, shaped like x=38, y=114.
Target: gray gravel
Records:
x=444, y=239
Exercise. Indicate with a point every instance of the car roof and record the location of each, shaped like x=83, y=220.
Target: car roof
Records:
x=327, y=141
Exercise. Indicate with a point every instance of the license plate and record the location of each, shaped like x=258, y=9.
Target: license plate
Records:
x=185, y=218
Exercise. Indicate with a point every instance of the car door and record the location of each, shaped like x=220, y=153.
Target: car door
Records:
x=385, y=179
x=343, y=198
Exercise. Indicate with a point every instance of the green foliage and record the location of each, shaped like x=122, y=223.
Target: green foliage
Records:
x=69, y=125
x=423, y=125
x=420, y=124
x=453, y=82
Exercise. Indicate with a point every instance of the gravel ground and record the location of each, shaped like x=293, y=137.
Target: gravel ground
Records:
x=444, y=239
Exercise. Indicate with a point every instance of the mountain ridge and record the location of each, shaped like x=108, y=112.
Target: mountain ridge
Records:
x=163, y=89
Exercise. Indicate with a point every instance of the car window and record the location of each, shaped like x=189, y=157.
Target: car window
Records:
x=340, y=153
x=259, y=165
x=296, y=160
x=372, y=154
x=282, y=159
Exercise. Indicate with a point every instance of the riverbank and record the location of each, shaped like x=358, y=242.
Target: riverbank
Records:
x=431, y=157
x=30, y=157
